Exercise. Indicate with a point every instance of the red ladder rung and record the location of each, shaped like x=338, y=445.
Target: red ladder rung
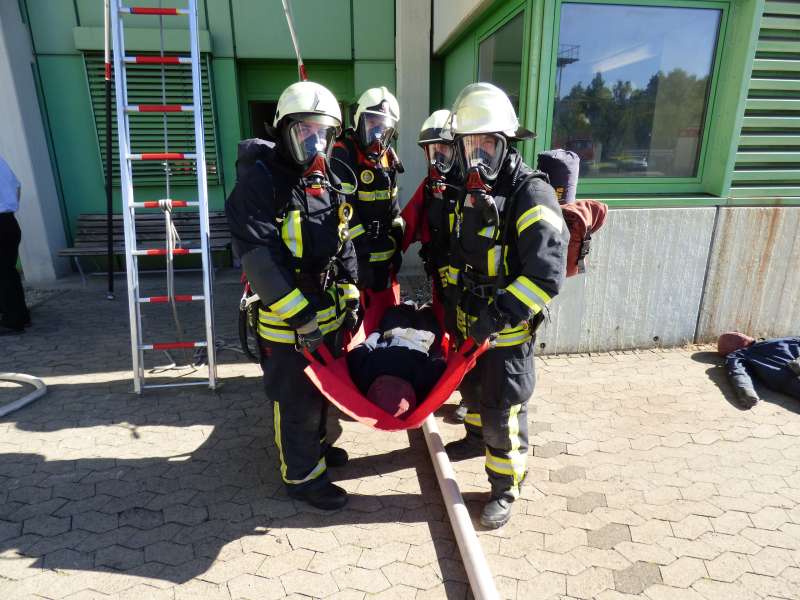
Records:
x=173, y=345
x=162, y=156
x=144, y=10
x=163, y=251
x=159, y=108
x=159, y=60
x=156, y=204
x=165, y=299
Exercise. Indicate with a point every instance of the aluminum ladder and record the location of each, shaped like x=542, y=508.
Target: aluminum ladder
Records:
x=128, y=156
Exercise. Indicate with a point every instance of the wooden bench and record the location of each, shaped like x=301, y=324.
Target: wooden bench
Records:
x=91, y=237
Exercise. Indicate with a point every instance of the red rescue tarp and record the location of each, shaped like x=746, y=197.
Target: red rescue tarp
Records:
x=332, y=378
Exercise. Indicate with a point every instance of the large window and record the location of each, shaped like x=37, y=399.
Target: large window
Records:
x=632, y=87
x=500, y=58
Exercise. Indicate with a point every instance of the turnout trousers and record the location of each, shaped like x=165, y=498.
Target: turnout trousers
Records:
x=12, y=296
x=497, y=391
x=299, y=416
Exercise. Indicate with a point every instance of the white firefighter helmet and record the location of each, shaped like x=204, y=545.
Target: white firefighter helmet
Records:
x=308, y=120
x=484, y=108
x=431, y=130
x=307, y=97
x=376, y=117
x=440, y=152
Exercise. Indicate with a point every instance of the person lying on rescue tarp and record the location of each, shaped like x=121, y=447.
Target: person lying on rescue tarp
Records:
x=776, y=363
x=398, y=365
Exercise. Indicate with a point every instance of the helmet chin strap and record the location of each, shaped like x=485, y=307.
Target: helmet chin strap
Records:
x=436, y=181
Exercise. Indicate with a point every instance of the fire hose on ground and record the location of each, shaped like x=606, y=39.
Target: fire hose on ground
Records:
x=37, y=383
x=480, y=577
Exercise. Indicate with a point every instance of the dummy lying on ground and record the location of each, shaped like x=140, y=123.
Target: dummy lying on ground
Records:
x=401, y=361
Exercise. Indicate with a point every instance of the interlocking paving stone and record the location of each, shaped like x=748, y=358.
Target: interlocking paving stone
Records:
x=118, y=557
x=609, y=536
x=567, y=474
x=683, y=572
x=586, y=503
x=637, y=578
x=168, y=553
x=550, y=449
x=46, y=525
x=589, y=583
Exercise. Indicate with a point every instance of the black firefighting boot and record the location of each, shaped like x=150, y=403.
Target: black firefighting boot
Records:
x=496, y=513
x=470, y=446
x=327, y=497
x=336, y=457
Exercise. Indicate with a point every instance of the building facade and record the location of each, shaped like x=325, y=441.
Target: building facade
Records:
x=685, y=113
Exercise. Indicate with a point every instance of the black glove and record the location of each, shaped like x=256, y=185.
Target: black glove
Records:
x=351, y=320
x=490, y=322
x=397, y=261
x=309, y=336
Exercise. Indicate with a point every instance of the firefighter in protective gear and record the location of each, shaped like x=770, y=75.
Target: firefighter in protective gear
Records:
x=377, y=228
x=430, y=214
x=287, y=218
x=507, y=263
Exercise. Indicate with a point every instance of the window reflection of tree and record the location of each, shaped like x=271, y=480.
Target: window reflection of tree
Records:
x=620, y=130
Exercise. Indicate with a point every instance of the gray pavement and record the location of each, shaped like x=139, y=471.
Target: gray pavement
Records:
x=644, y=482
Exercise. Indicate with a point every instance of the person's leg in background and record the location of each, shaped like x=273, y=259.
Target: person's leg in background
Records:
x=12, y=296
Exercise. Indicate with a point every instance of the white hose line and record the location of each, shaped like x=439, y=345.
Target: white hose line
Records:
x=40, y=391
x=480, y=577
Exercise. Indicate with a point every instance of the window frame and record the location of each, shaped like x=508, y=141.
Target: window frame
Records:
x=491, y=27
x=701, y=182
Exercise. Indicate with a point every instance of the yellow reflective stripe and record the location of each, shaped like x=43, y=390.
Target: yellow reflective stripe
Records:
x=349, y=291
x=385, y=194
x=348, y=188
x=530, y=294
x=473, y=419
x=356, y=231
x=488, y=231
x=394, y=191
x=443, y=275
x=493, y=261
x=555, y=219
x=281, y=336
x=384, y=256
x=452, y=219
x=528, y=218
x=539, y=213
x=292, y=233
x=452, y=275
x=318, y=470
x=514, y=466
x=366, y=196
x=381, y=256
x=513, y=336
x=331, y=325
x=291, y=304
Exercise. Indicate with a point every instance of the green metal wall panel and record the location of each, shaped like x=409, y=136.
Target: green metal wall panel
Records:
x=227, y=112
x=51, y=26
x=221, y=28
x=367, y=74
x=459, y=68
x=373, y=29
x=768, y=160
x=69, y=117
x=323, y=29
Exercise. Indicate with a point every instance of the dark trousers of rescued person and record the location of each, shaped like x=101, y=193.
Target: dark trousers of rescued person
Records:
x=300, y=417
x=12, y=296
x=497, y=391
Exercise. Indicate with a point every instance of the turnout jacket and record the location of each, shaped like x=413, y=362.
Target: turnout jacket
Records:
x=429, y=218
x=769, y=361
x=375, y=202
x=287, y=237
x=519, y=264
